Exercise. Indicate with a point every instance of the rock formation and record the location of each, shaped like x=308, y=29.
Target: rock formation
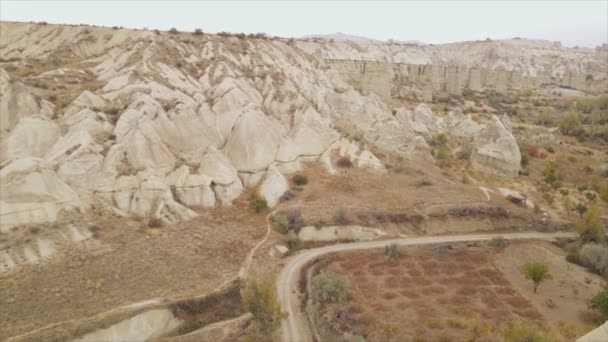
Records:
x=169, y=123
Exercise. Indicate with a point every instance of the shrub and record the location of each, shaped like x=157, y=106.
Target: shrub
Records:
x=571, y=125
x=300, y=180
x=456, y=323
x=392, y=251
x=552, y=174
x=599, y=302
x=155, y=222
x=524, y=161
x=590, y=196
x=442, y=153
x=258, y=203
x=198, y=32
x=340, y=217
x=595, y=257
x=423, y=182
x=439, y=140
x=344, y=162
x=589, y=226
x=294, y=219
x=173, y=30
x=498, y=242
x=287, y=195
x=279, y=223
x=260, y=300
x=330, y=287
x=537, y=272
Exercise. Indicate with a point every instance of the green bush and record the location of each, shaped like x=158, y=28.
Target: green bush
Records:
x=552, y=174
x=392, y=251
x=258, y=203
x=330, y=287
x=599, y=302
x=260, y=300
x=595, y=257
x=300, y=180
x=570, y=124
x=279, y=223
x=590, y=227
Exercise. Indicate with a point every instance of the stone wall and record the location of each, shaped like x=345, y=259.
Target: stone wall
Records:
x=387, y=79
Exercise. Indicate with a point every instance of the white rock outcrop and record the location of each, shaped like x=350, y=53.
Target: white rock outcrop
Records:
x=495, y=150
x=273, y=187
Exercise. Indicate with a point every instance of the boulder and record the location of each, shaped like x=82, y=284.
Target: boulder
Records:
x=368, y=160
x=496, y=151
x=273, y=187
x=32, y=137
x=218, y=167
x=253, y=143
x=32, y=193
x=17, y=102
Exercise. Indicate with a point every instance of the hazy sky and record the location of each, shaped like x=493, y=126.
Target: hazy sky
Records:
x=583, y=23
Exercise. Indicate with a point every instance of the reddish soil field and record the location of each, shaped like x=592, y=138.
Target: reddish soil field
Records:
x=429, y=294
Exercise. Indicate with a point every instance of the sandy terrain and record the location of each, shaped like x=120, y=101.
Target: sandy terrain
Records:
x=135, y=263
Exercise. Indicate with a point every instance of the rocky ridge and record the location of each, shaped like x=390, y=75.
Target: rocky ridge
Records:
x=184, y=121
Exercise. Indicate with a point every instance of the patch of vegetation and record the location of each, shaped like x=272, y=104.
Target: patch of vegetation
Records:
x=198, y=32
x=341, y=217
x=330, y=287
x=498, y=242
x=537, y=272
x=344, y=162
x=279, y=223
x=599, y=302
x=552, y=174
x=258, y=203
x=299, y=180
x=518, y=331
x=589, y=226
x=260, y=300
x=595, y=257
x=173, y=30
x=392, y=251
x=154, y=222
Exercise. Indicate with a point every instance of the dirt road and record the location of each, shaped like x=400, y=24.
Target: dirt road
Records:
x=295, y=327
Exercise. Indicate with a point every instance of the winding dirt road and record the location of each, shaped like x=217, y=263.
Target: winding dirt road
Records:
x=295, y=326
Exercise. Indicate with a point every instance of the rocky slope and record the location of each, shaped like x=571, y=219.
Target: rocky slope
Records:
x=155, y=125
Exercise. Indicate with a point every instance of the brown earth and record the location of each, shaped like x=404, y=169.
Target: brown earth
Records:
x=452, y=294
x=131, y=263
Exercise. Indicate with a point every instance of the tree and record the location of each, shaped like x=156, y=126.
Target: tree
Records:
x=537, y=272
x=589, y=226
x=258, y=203
x=260, y=300
x=599, y=302
x=329, y=287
